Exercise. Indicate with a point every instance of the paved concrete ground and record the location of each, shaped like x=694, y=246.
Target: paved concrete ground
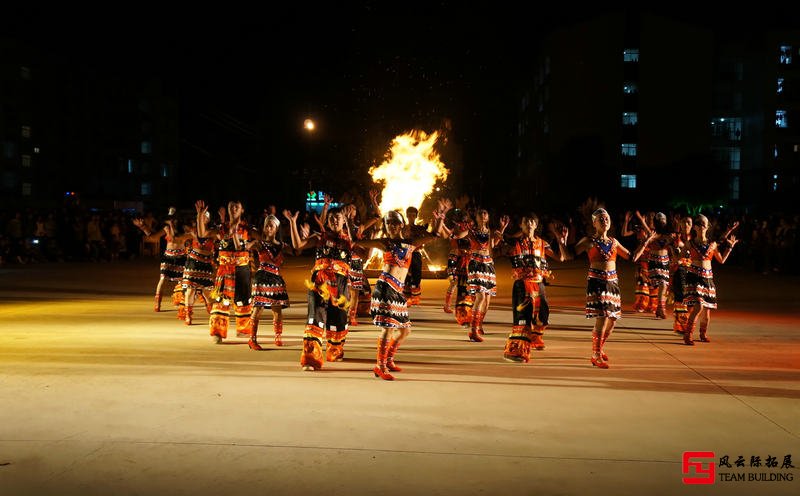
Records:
x=100, y=395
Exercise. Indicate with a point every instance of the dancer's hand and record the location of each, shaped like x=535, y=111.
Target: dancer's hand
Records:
x=504, y=220
x=201, y=207
x=289, y=216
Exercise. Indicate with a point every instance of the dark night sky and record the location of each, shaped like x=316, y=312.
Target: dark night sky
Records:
x=351, y=67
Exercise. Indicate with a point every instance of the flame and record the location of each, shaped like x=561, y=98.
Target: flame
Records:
x=410, y=171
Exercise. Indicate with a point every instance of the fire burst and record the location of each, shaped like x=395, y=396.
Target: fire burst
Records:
x=410, y=171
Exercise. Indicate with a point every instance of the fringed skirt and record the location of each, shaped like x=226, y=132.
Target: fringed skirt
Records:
x=481, y=276
x=269, y=288
x=199, y=271
x=700, y=289
x=172, y=263
x=388, y=306
x=602, y=294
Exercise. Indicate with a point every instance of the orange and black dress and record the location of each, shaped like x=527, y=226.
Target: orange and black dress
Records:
x=172, y=262
x=328, y=300
x=232, y=288
x=602, y=288
x=529, y=303
x=481, y=277
x=199, y=270
x=269, y=288
x=700, y=288
x=388, y=305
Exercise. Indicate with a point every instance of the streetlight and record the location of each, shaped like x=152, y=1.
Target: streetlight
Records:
x=309, y=125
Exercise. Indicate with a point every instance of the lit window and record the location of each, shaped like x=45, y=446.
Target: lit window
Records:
x=796, y=148
x=774, y=182
x=735, y=188
x=26, y=131
x=785, y=54
x=130, y=166
x=147, y=147
x=630, y=55
x=630, y=118
x=727, y=128
x=629, y=149
x=628, y=181
x=735, y=158
x=35, y=149
x=775, y=151
x=26, y=189
x=780, y=85
x=26, y=160
x=146, y=189
x=780, y=119
x=630, y=88
x=164, y=170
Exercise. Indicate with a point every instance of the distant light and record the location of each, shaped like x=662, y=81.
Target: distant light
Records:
x=309, y=125
x=722, y=120
x=438, y=188
x=35, y=149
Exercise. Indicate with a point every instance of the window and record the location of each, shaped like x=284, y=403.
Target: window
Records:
x=727, y=128
x=146, y=189
x=164, y=170
x=630, y=55
x=26, y=189
x=796, y=148
x=630, y=118
x=731, y=156
x=735, y=188
x=630, y=88
x=774, y=182
x=774, y=151
x=36, y=149
x=629, y=149
x=9, y=149
x=628, y=181
x=26, y=131
x=785, y=54
x=780, y=85
x=780, y=119
x=147, y=147
x=130, y=166
x=26, y=160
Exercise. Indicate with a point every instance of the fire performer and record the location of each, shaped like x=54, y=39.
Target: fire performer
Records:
x=529, y=302
x=329, y=291
x=388, y=307
x=701, y=294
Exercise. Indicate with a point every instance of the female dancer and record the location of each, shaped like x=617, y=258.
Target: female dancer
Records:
x=529, y=303
x=602, y=290
x=329, y=291
x=388, y=307
x=658, y=247
x=269, y=288
x=198, y=274
x=682, y=257
x=701, y=294
x=481, y=278
x=174, y=257
x=641, y=302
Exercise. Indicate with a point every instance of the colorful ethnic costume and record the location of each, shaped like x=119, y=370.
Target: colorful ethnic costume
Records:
x=529, y=303
x=700, y=288
x=413, y=283
x=457, y=264
x=358, y=280
x=269, y=288
x=678, y=285
x=198, y=274
x=602, y=288
x=328, y=301
x=388, y=305
x=481, y=276
x=658, y=271
x=232, y=287
x=642, y=301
